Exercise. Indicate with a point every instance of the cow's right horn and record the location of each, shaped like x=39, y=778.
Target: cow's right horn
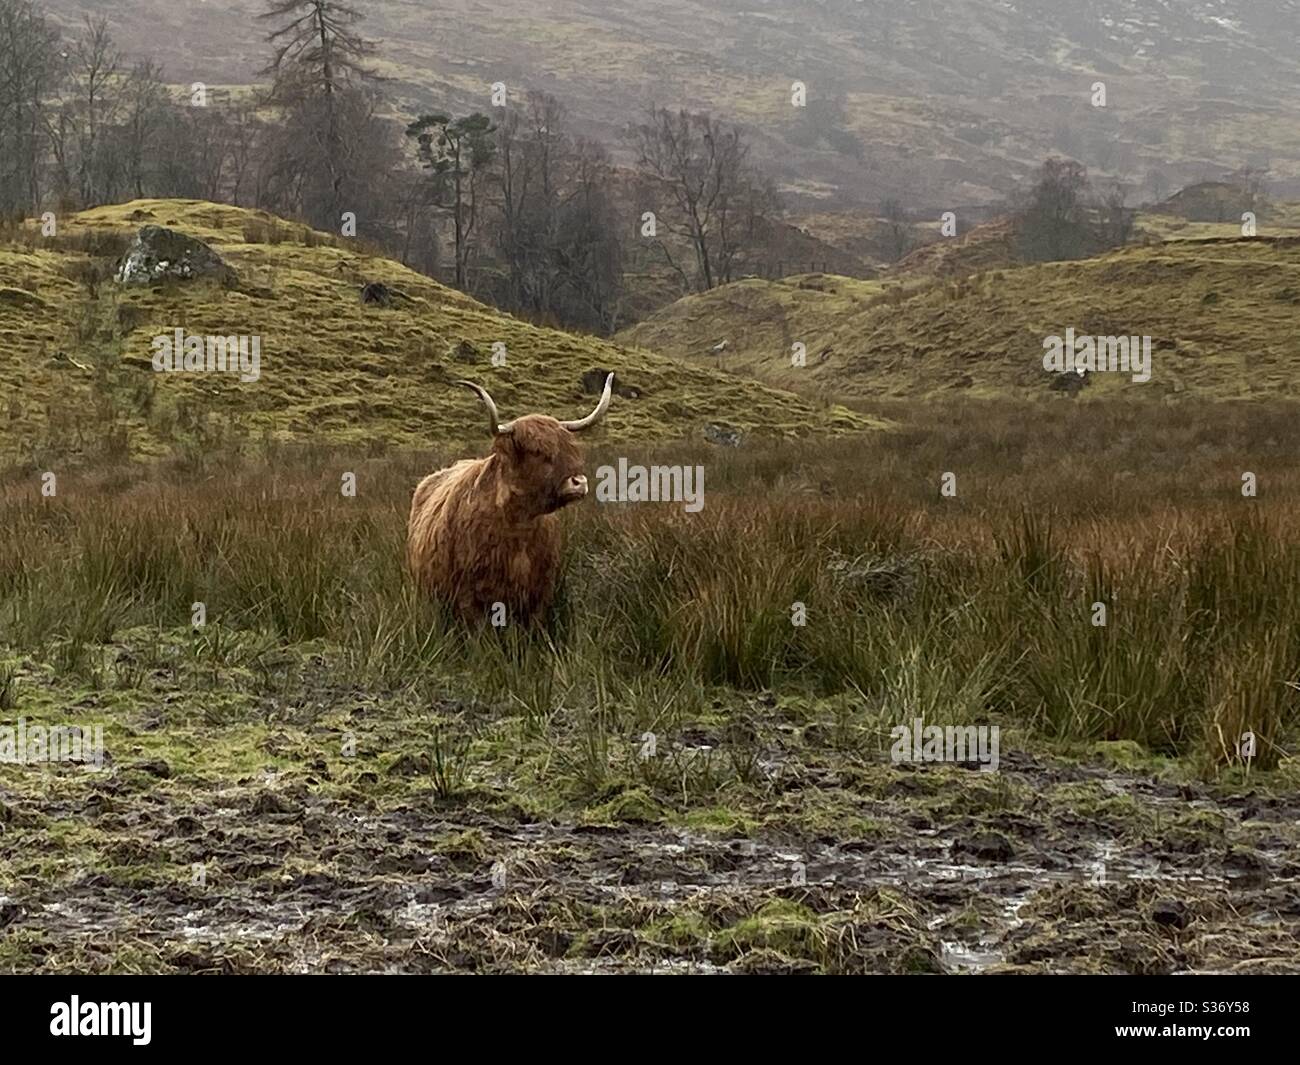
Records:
x=495, y=424
x=595, y=416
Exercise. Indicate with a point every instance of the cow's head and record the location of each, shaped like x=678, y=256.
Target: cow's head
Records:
x=540, y=462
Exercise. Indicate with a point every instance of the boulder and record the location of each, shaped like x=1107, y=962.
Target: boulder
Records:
x=377, y=294
x=593, y=384
x=1071, y=382
x=465, y=351
x=159, y=254
x=722, y=435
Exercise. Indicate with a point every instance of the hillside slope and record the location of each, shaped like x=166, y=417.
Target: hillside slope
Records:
x=990, y=246
x=77, y=375
x=945, y=102
x=1223, y=315
x=752, y=325
x=1179, y=218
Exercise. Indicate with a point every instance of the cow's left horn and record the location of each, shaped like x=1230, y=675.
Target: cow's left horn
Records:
x=595, y=416
x=497, y=427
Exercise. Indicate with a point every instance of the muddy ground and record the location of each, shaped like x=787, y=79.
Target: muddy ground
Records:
x=284, y=821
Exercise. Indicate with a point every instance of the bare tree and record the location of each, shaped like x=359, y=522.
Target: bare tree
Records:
x=245, y=131
x=552, y=221
x=1053, y=224
x=699, y=182
x=87, y=166
x=144, y=105
x=521, y=205
x=30, y=67
x=534, y=172
x=587, y=254
x=746, y=224
x=1115, y=220
x=421, y=249
x=898, y=229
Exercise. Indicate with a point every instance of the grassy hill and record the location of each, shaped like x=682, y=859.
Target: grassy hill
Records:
x=77, y=376
x=1223, y=315
x=757, y=322
x=866, y=236
x=1197, y=213
x=990, y=246
x=1210, y=209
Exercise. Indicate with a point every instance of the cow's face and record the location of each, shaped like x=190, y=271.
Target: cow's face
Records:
x=539, y=459
x=541, y=465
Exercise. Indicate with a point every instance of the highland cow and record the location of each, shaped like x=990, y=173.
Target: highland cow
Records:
x=485, y=531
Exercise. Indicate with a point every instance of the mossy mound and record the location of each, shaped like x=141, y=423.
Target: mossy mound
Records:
x=1222, y=315
x=78, y=374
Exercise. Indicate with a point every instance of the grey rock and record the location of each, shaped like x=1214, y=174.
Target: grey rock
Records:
x=722, y=435
x=159, y=254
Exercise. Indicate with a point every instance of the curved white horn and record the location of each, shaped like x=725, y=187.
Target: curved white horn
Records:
x=595, y=416
x=497, y=427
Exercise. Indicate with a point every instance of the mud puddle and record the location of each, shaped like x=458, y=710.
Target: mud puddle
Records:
x=1115, y=874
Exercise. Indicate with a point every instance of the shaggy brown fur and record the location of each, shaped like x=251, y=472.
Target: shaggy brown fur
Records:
x=485, y=530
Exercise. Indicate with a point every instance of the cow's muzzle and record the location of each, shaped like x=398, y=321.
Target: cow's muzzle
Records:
x=573, y=489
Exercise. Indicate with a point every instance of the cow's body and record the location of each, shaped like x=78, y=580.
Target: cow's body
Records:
x=464, y=548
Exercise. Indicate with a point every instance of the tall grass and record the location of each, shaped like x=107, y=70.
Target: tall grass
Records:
x=975, y=608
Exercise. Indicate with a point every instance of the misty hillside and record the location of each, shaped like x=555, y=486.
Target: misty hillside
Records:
x=943, y=102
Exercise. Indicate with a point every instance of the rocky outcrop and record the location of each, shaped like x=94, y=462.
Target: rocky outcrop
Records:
x=722, y=435
x=159, y=254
